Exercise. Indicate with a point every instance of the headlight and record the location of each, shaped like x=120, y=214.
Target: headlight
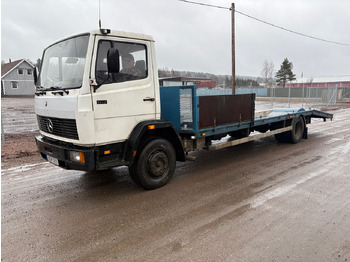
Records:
x=77, y=156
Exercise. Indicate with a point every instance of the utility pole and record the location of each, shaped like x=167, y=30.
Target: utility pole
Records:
x=302, y=79
x=233, y=49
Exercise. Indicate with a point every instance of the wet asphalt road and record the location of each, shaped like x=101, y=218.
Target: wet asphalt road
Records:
x=260, y=201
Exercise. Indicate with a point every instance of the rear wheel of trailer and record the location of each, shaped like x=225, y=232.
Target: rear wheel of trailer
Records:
x=295, y=135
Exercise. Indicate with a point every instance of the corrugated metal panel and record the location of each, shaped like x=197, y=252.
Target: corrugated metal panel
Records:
x=226, y=109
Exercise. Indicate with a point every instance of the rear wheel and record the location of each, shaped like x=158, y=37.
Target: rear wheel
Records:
x=295, y=135
x=155, y=165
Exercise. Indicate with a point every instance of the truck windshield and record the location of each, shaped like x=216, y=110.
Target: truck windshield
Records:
x=63, y=64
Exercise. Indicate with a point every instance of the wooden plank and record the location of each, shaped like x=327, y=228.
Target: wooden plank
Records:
x=248, y=139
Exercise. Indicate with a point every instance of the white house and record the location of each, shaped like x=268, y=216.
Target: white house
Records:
x=17, y=78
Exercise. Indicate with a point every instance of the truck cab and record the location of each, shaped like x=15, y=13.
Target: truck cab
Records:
x=74, y=85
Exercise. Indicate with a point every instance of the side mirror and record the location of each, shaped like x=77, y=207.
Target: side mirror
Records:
x=35, y=75
x=113, y=60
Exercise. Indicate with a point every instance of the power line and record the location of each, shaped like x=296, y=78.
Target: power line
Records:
x=268, y=23
x=292, y=31
x=197, y=3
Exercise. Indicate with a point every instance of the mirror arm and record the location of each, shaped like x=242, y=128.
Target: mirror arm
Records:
x=99, y=85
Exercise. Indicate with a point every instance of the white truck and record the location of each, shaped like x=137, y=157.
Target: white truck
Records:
x=96, y=112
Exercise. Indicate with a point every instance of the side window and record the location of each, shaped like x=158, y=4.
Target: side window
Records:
x=132, y=59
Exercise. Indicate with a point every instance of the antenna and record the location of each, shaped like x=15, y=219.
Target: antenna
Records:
x=99, y=14
x=103, y=31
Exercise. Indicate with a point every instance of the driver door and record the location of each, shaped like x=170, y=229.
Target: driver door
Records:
x=121, y=100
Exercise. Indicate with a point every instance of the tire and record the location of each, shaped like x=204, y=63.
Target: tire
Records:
x=295, y=135
x=155, y=165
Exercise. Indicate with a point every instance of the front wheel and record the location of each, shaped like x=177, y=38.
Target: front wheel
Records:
x=155, y=165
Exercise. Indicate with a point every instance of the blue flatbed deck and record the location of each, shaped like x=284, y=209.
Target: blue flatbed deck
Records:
x=216, y=115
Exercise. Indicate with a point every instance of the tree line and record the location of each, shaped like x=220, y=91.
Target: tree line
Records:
x=269, y=77
x=221, y=80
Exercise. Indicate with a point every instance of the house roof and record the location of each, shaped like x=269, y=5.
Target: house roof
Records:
x=7, y=68
x=331, y=79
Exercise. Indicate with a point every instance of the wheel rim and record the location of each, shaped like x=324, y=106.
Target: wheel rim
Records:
x=158, y=163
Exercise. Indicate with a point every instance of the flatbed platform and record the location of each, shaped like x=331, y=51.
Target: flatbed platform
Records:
x=215, y=116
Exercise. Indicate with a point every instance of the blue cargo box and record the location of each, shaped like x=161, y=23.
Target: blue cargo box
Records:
x=212, y=115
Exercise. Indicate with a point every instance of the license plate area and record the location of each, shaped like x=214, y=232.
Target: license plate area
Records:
x=52, y=160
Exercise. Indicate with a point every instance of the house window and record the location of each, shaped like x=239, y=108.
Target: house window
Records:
x=14, y=84
x=20, y=71
x=29, y=71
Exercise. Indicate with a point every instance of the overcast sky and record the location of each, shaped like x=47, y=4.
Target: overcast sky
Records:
x=192, y=37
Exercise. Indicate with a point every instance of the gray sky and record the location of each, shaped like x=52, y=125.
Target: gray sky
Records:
x=192, y=37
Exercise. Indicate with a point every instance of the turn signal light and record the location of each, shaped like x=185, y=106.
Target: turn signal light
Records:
x=82, y=157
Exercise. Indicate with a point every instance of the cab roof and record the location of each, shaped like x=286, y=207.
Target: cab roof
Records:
x=123, y=34
x=115, y=33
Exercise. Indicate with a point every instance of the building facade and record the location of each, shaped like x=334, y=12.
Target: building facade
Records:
x=339, y=81
x=17, y=78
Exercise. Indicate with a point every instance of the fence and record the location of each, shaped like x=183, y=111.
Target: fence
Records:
x=310, y=96
x=313, y=96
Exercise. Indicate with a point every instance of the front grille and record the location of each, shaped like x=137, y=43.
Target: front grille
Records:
x=58, y=126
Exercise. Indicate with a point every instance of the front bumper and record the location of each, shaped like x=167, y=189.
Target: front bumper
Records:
x=51, y=150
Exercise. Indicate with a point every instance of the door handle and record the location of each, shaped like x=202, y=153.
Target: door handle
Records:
x=149, y=99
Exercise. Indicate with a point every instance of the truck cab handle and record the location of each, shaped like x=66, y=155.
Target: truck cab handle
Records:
x=148, y=99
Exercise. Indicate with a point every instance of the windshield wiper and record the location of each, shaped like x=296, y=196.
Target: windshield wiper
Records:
x=40, y=91
x=61, y=92
x=53, y=88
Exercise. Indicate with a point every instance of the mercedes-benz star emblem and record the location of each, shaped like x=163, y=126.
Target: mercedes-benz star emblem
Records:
x=49, y=125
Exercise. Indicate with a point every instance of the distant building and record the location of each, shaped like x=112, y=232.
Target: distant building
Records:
x=178, y=81
x=337, y=81
x=17, y=78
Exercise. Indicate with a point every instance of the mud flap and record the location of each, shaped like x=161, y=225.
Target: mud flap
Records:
x=305, y=134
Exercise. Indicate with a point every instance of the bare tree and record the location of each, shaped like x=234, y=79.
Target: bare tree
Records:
x=267, y=73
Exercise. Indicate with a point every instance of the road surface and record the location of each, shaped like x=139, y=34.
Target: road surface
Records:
x=260, y=201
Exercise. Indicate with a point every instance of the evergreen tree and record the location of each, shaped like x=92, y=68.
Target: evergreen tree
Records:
x=285, y=73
